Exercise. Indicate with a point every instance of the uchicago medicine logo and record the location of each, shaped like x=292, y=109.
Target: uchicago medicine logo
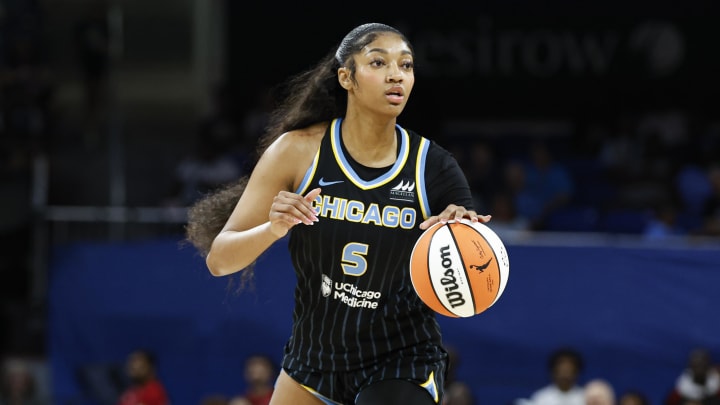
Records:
x=349, y=294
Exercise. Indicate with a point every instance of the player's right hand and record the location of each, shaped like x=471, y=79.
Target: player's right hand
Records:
x=289, y=209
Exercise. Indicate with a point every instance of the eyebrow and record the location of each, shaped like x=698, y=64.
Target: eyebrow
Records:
x=384, y=51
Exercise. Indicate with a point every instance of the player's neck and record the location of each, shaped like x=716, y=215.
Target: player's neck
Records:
x=370, y=143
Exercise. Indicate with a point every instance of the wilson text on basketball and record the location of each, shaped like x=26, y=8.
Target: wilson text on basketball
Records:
x=454, y=297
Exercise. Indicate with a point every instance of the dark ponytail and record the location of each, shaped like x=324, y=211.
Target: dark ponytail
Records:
x=207, y=217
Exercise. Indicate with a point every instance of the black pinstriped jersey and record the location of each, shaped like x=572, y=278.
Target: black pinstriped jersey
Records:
x=354, y=301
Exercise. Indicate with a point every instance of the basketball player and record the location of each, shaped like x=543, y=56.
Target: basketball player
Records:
x=354, y=190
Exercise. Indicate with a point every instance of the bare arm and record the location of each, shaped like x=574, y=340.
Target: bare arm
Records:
x=268, y=208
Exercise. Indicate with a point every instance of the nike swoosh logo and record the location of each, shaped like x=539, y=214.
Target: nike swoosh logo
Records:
x=322, y=182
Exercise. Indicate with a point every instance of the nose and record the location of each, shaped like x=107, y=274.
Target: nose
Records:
x=394, y=75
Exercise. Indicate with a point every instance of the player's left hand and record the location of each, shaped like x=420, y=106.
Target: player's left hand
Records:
x=454, y=212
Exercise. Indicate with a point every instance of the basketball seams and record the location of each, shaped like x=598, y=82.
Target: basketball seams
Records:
x=423, y=284
x=496, y=265
x=462, y=263
x=501, y=280
x=501, y=256
x=495, y=269
x=442, y=308
x=502, y=259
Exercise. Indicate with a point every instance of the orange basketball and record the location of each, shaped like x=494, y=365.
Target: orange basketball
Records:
x=459, y=269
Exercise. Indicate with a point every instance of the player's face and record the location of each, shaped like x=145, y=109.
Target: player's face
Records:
x=384, y=75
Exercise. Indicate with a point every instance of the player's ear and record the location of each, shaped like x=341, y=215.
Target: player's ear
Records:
x=344, y=78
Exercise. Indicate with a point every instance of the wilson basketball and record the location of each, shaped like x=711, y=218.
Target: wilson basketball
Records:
x=459, y=269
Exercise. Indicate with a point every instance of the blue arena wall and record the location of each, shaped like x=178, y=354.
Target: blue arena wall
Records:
x=634, y=314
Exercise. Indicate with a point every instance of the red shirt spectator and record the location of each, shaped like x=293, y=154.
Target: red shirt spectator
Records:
x=150, y=393
x=259, y=376
x=259, y=399
x=145, y=389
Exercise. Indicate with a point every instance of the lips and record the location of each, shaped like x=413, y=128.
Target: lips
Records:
x=395, y=95
x=395, y=91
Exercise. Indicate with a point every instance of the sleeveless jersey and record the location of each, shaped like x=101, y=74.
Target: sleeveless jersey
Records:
x=354, y=301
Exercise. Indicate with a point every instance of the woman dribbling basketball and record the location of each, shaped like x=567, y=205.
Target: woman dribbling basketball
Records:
x=354, y=190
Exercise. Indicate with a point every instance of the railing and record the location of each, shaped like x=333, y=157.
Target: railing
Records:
x=53, y=224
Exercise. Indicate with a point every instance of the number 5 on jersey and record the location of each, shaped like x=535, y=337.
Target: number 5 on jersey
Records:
x=353, y=259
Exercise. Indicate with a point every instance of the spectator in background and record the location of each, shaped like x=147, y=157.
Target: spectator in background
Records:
x=215, y=400
x=239, y=400
x=18, y=385
x=619, y=149
x=565, y=366
x=699, y=382
x=260, y=374
x=540, y=187
x=599, y=392
x=692, y=186
x=457, y=392
x=211, y=165
x=663, y=224
x=483, y=176
x=220, y=153
x=633, y=398
x=514, y=177
x=711, y=206
x=505, y=216
x=145, y=387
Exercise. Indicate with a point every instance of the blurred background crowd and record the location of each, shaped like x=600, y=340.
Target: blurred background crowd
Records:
x=115, y=116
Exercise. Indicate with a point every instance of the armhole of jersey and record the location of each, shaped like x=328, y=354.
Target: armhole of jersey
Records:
x=420, y=177
x=309, y=174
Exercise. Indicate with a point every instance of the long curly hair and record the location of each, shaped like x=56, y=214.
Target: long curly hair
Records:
x=311, y=97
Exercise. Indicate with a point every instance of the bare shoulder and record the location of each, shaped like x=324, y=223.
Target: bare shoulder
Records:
x=300, y=142
x=294, y=151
